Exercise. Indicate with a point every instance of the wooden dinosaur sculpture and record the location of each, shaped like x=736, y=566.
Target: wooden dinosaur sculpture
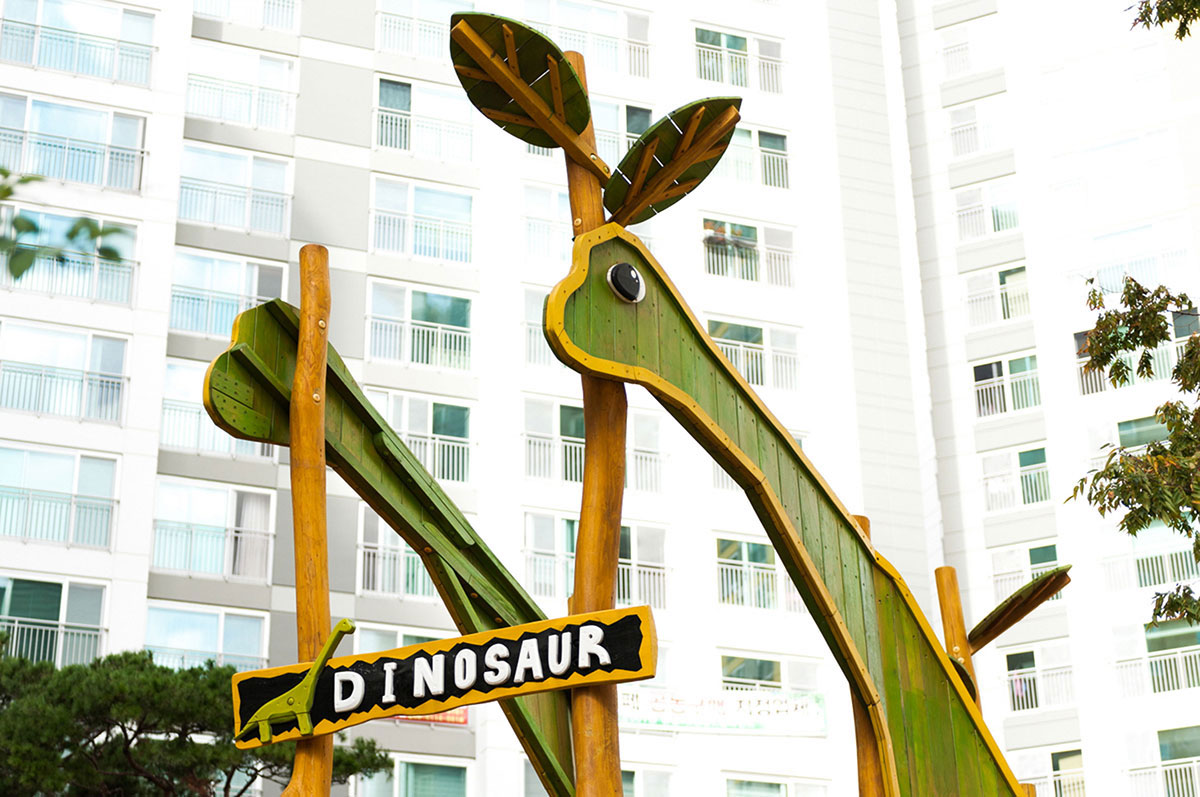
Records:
x=296, y=703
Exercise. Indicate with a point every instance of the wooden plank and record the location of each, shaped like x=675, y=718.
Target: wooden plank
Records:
x=892, y=690
x=852, y=598
x=941, y=737
x=831, y=561
x=689, y=133
x=914, y=704
x=647, y=316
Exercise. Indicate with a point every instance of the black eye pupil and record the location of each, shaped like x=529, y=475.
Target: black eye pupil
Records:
x=626, y=282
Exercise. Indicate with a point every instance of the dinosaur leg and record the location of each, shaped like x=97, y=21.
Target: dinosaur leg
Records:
x=264, y=731
x=305, y=723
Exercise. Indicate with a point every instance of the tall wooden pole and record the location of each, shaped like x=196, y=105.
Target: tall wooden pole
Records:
x=313, y=766
x=954, y=628
x=594, y=708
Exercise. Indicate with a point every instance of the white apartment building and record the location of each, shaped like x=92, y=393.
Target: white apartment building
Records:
x=868, y=253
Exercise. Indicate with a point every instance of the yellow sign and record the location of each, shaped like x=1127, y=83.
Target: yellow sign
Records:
x=584, y=649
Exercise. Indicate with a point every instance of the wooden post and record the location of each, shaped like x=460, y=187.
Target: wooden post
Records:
x=953, y=626
x=594, y=708
x=870, y=768
x=1029, y=789
x=313, y=766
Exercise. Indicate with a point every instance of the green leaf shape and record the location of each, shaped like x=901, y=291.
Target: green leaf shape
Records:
x=532, y=49
x=667, y=131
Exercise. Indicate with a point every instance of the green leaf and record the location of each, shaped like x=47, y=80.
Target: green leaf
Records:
x=21, y=261
x=88, y=228
x=108, y=253
x=25, y=225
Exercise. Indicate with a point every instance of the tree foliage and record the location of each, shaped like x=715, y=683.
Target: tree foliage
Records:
x=1161, y=481
x=1161, y=13
x=123, y=725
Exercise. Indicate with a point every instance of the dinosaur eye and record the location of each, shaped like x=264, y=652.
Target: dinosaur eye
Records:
x=626, y=283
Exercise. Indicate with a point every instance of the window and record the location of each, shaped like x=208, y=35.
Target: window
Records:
x=769, y=166
x=437, y=433
x=548, y=233
x=53, y=621
x=82, y=38
x=225, y=188
x=641, y=568
x=207, y=293
x=1015, y=478
x=239, y=86
x=182, y=637
x=645, y=783
x=417, y=27
x=1140, y=432
x=431, y=122
x=1185, y=324
x=979, y=127
x=742, y=673
x=276, y=14
x=71, y=143
x=743, y=346
x=537, y=350
x=48, y=496
x=617, y=128
x=1039, y=679
x=644, y=470
x=734, y=250
x=1178, y=743
x=419, y=327
x=985, y=210
x=80, y=273
x=1015, y=567
x=212, y=530
x=723, y=58
x=550, y=554
x=970, y=47
x=426, y=222
x=611, y=41
x=747, y=574
x=412, y=779
x=387, y=565
x=996, y=394
x=553, y=440
x=185, y=423
x=57, y=371
x=1136, y=253
x=754, y=788
x=997, y=296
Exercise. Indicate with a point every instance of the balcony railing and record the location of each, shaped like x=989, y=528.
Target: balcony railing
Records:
x=721, y=65
x=1040, y=688
x=207, y=312
x=421, y=343
x=780, y=370
x=239, y=103
x=976, y=221
x=1009, y=582
x=74, y=52
x=71, y=160
x=187, y=427
x=234, y=206
x=422, y=38
x=1180, y=778
x=200, y=550
x=1010, y=393
x=742, y=261
x=425, y=137
x=1157, y=569
x=640, y=583
x=274, y=14
x=722, y=480
x=1000, y=303
x=549, y=575
x=61, y=644
x=732, y=684
x=956, y=60
x=645, y=471
x=181, y=659
x=424, y=236
x=1066, y=783
x=548, y=240
x=447, y=458
x=742, y=164
x=76, y=274
x=392, y=570
x=756, y=586
x=548, y=457
x=537, y=350
x=603, y=53
x=44, y=516
x=1031, y=485
x=1164, y=671
x=46, y=390
x=1163, y=359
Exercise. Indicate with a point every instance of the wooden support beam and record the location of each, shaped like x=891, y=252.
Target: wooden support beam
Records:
x=313, y=766
x=510, y=50
x=689, y=132
x=505, y=116
x=953, y=627
x=556, y=87
x=644, y=164
x=523, y=94
x=472, y=72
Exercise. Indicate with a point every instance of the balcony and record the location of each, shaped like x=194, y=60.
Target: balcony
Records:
x=1011, y=393
x=998, y=304
x=181, y=658
x=743, y=165
x=187, y=427
x=233, y=206
x=423, y=236
x=207, y=312
x=1179, y=778
x=77, y=275
x=639, y=583
x=1164, y=671
x=549, y=575
x=394, y=571
x=552, y=575
x=420, y=343
x=548, y=457
x=43, y=516
x=537, y=350
x=61, y=644
x=722, y=480
x=1040, y=688
x=645, y=471
x=1067, y=783
x=1031, y=485
x=232, y=554
x=274, y=14
x=46, y=390
x=756, y=586
x=978, y=220
x=548, y=241
x=732, y=66
x=423, y=136
x=77, y=53
x=1163, y=359
x=780, y=370
x=1007, y=583
x=447, y=458
x=239, y=103
x=603, y=53
x=406, y=35
x=71, y=160
x=742, y=261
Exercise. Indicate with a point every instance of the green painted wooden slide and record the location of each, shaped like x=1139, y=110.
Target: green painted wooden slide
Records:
x=247, y=392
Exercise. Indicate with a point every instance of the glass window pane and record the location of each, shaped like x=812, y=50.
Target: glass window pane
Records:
x=83, y=604
x=772, y=141
x=605, y=115
x=760, y=553
x=432, y=780
x=371, y=640
x=434, y=308
x=627, y=783
x=269, y=175
x=54, y=347
x=1029, y=458
x=50, y=472
x=418, y=416
x=1179, y=743
x=387, y=301
x=395, y=95
x=391, y=196
x=451, y=421
x=1021, y=365
x=570, y=422
x=1171, y=634
x=1186, y=324
x=1043, y=555
x=441, y=204
x=183, y=630
x=729, y=550
x=108, y=355
x=625, y=544
x=637, y=120
x=12, y=467
x=651, y=545
x=534, y=301
x=645, y=432
x=378, y=785
x=538, y=417
x=1141, y=431
x=726, y=330
x=126, y=131
x=21, y=10
x=753, y=788
x=34, y=600
x=96, y=476
x=416, y=639
x=539, y=532
x=710, y=37
x=733, y=42
x=81, y=124
x=243, y=635
x=218, y=167
x=1020, y=661
x=137, y=28
x=1066, y=760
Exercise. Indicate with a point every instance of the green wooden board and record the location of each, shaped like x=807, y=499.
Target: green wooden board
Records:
x=998, y=619
x=247, y=393
x=940, y=746
x=667, y=132
x=532, y=49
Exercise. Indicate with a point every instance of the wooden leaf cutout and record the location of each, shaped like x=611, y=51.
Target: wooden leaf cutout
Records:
x=671, y=158
x=519, y=78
